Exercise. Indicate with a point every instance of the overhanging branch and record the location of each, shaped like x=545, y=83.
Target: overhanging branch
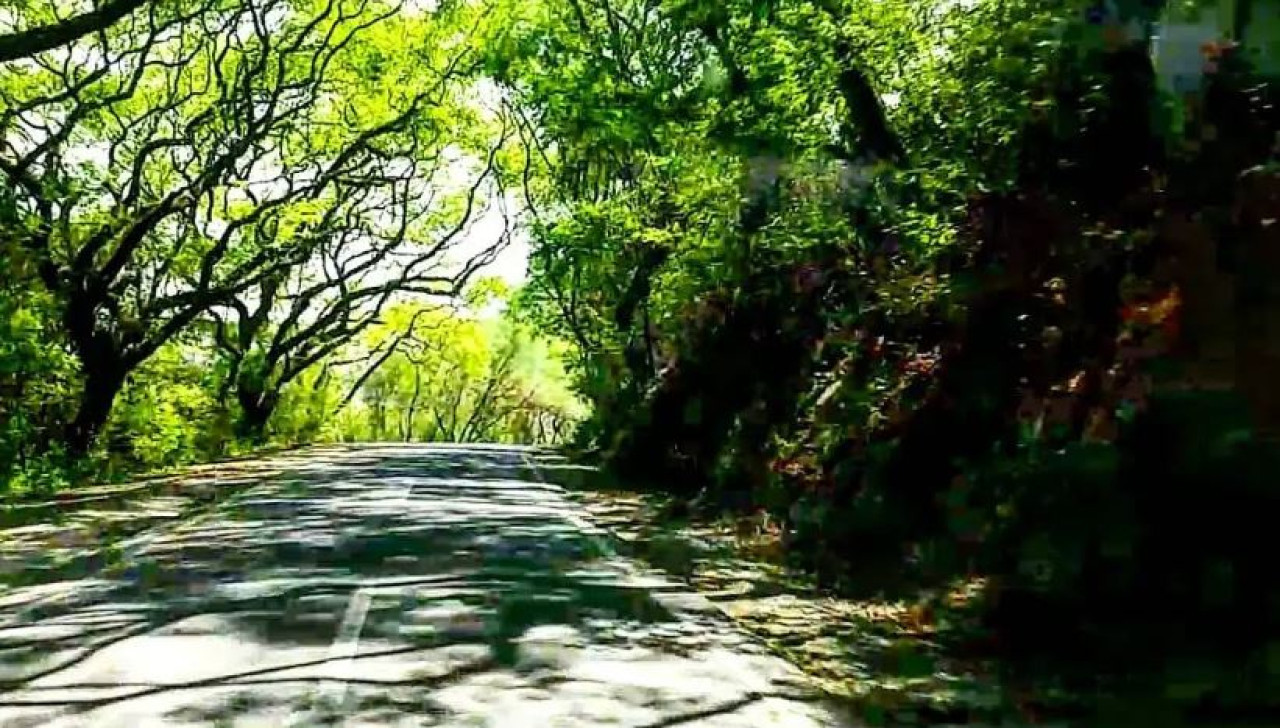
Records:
x=27, y=43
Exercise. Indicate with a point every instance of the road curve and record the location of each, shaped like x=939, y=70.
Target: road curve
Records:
x=386, y=586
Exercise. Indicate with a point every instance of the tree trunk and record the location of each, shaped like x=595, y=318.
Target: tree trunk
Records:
x=102, y=382
x=377, y=420
x=412, y=415
x=256, y=408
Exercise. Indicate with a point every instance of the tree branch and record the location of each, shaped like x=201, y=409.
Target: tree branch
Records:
x=26, y=43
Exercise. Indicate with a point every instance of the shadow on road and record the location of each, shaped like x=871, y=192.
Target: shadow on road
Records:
x=383, y=586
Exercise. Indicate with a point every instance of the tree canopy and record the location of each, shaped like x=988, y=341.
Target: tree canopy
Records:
x=242, y=186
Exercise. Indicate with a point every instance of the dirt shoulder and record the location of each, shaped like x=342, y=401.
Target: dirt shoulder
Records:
x=887, y=658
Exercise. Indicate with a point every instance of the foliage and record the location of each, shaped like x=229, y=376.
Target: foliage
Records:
x=167, y=414
x=205, y=204
x=916, y=278
x=457, y=378
x=909, y=276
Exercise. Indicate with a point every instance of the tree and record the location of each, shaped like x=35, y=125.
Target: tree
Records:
x=375, y=245
x=163, y=172
x=789, y=182
x=453, y=376
x=26, y=43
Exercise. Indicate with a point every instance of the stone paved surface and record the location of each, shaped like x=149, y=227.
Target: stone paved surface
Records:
x=385, y=586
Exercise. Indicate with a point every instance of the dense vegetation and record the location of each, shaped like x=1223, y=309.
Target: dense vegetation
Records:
x=227, y=222
x=945, y=287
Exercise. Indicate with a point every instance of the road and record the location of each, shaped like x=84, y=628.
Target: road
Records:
x=385, y=586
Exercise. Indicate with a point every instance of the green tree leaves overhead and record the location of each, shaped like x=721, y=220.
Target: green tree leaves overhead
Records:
x=214, y=198
x=455, y=378
x=196, y=152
